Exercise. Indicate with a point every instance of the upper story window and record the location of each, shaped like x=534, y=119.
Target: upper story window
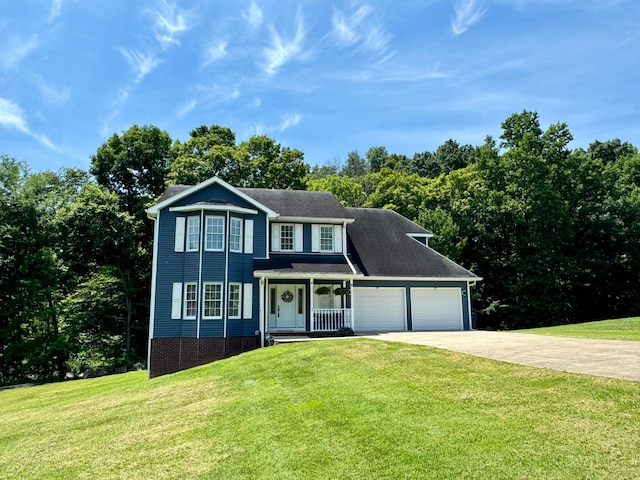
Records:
x=326, y=238
x=235, y=235
x=193, y=233
x=214, y=233
x=286, y=238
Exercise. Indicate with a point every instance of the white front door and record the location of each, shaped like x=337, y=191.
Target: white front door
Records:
x=286, y=307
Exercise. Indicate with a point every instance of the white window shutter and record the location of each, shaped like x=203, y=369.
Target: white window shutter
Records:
x=248, y=236
x=315, y=238
x=337, y=238
x=275, y=237
x=297, y=237
x=176, y=301
x=179, y=240
x=247, y=299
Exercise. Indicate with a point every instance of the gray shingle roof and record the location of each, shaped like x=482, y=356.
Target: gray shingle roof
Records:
x=288, y=203
x=381, y=247
x=299, y=203
x=304, y=264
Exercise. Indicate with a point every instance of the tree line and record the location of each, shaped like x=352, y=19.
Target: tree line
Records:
x=553, y=231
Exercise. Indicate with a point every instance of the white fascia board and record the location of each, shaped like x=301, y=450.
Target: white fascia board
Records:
x=420, y=235
x=425, y=279
x=153, y=210
x=213, y=208
x=315, y=276
x=332, y=221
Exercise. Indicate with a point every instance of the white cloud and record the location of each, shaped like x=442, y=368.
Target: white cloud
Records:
x=12, y=116
x=16, y=50
x=253, y=16
x=360, y=30
x=255, y=102
x=170, y=22
x=216, y=51
x=467, y=14
x=142, y=64
x=290, y=120
x=52, y=94
x=186, y=107
x=282, y=50
x=56, y=7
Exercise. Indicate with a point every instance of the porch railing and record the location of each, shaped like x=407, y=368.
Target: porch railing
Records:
x=331, y=319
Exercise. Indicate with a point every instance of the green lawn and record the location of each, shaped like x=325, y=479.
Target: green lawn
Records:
x=356, y=408
x=619, y=329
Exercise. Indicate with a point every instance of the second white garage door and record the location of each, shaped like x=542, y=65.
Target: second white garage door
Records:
x=379, y=309
x=436, y=309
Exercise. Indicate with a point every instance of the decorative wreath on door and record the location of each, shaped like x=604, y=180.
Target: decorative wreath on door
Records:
x=287, y=296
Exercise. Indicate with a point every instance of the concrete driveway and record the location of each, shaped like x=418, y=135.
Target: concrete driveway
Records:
x=606, y=358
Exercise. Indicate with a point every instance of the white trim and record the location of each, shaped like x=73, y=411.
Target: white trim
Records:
x=189, y=220
x=469, y=308
x=304, y=276
x=247, y=301
x=248, y=236
x=152, y=306
x=298, y=237
x=315, y=237
x=426, y=279
x=239, y=315
x=176, y=301
x=212, y=317
x=184, y=301
x=178, y=242
x=337, y=238
x=226, y=283
x=196, y=207
x=201, y=244
x=262, y=285
x=324, y=220
x=153, y=210
x=240, y=236
x=206, y=234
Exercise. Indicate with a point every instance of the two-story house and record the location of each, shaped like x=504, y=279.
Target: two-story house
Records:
x=232, y=264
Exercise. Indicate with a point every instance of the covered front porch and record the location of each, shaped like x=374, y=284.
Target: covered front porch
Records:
x=299, y=296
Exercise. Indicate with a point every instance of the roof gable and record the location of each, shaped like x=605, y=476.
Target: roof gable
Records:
x=175, y=193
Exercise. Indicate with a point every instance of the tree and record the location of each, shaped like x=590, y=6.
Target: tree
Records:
x=209, y=152
x=611, y=150
x=399, y=192
x=272, y=166
x=347, y=190
x=356, y=166
x=377, y=158
x=134, y=165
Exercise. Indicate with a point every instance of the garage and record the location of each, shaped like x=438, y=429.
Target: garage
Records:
x=379, y=309
x=436, y=309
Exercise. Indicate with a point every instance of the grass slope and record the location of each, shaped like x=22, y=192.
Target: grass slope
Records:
x=619, y=329
x=333, y=409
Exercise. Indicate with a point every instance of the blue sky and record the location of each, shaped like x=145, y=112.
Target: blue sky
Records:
x=324, y=77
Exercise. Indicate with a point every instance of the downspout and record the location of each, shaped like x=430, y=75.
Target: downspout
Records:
x=199, y=289
x=353, y=269
x=226, y=278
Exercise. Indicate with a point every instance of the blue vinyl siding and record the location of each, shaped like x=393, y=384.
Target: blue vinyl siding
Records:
x=180, y=267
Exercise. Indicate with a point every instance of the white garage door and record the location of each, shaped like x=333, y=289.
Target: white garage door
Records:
x=379, y=309
x=436, y=309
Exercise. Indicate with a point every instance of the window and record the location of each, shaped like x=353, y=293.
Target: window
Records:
x=272, y=301
x=214, y=233
x=286, y=237
x=190, y=300
x=234, y=300
x=326, y=238
x=300, y=301
x=235, y=235
x=212, y=300
x=193, y=233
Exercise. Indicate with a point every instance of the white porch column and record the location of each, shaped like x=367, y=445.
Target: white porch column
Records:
x=353, y=310
x=311, y=322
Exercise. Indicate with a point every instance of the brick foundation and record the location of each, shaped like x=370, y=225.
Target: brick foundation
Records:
x=169, y=355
